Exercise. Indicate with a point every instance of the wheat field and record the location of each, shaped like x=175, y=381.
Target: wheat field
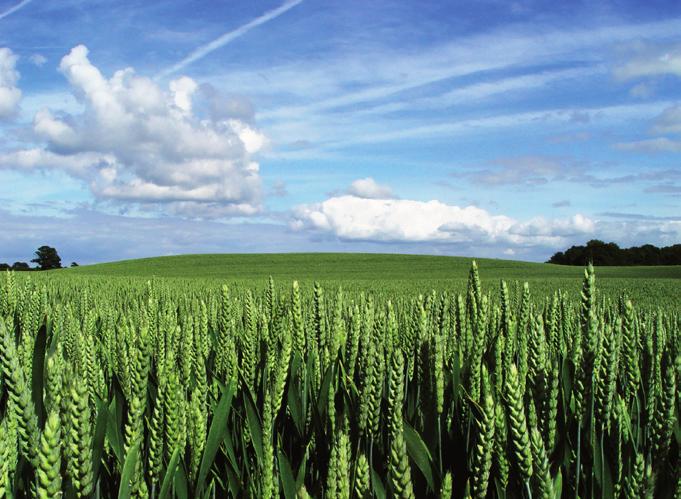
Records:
x=121, y=387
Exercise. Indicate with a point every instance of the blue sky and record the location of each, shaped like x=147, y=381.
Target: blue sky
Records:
x=503, y=129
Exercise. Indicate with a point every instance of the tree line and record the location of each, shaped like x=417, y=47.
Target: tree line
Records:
x=602, y=253
x=46, y=258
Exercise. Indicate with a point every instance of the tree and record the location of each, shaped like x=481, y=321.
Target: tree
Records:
x=47, y=258
x=20, y=266
x=671, y=255
x=74, y=264
x=601, y=253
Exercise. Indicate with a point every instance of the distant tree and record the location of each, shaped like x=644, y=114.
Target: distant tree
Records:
x=5, y=266
x=74, y=264
x=557, y=258
x=602, y=253
x=21, y=266
x=643, y=255
x=671, y=255
x=47, y=258
x=576, y=255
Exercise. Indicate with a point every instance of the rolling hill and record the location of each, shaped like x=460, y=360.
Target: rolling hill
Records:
x=354, y=267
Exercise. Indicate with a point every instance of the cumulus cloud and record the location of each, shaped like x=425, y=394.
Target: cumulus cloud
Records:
x=392, y=220
x=83, y=165
x=368, y=188
x=137, y=142
x=10, y=95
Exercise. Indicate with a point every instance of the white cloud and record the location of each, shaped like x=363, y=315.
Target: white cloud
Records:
x=80, y=166
x=38, y=60
x=59, y=132
x=14, y=8
x=146, y=145
x=182, y=90
x=228, y=37
x=10, y=95
x=669, y=121
x=651, y=61
x=641, y=231
x=354, y=218
x=368, y=188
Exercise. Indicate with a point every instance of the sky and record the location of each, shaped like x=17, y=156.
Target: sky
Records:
x=489, y=129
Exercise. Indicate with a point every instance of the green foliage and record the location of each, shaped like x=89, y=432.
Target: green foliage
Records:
x=47, y=258
x=389, y=388
x=49, y=458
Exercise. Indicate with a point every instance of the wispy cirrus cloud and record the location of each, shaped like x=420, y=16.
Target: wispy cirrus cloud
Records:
x=669, y=121
x=392, y=94
x=346, y=133
x=666, y=124
x=221, y=41
x=537, y=171
x=656, y=145
x=651, y=60
x=15, y=8
x=523, y=170
x=380, y=73
x=668, y=188
x=474, y=93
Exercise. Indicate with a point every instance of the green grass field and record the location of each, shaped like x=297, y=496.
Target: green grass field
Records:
x=390, y=272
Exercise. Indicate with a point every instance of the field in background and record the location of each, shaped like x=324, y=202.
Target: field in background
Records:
x=393, y=273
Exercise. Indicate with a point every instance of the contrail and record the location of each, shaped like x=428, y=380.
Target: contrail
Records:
x=12, y=10
x=223, y=40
